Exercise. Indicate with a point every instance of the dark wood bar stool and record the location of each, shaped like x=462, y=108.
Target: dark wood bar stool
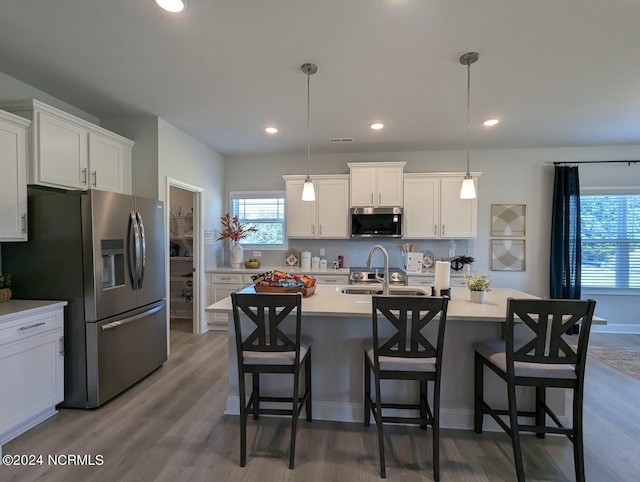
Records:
x=544, y=361
x=406, y=355
x=267, y=349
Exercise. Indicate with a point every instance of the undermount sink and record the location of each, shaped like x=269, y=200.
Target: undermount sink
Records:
x=369, y=290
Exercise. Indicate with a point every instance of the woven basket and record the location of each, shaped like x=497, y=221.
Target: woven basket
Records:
x=251, y=264
x=5, y=294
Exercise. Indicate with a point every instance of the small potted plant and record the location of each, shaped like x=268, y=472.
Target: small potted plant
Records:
x=5, y=290
x=478, y=285
x=462, y=263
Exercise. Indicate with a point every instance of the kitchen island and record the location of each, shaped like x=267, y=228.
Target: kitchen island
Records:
x=340, y=323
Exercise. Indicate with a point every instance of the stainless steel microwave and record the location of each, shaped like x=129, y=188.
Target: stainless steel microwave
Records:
x=376, y=222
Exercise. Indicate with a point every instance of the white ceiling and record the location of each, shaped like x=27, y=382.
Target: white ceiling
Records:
x=556, y=72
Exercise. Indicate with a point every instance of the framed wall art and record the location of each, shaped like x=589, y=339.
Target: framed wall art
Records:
x=508, y=255
x=508, y=220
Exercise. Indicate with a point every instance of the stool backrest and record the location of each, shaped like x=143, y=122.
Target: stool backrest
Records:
x=549, y=320
x=267, y=312
x=408, y=317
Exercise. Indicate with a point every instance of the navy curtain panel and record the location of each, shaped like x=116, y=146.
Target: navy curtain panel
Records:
x=565, y=234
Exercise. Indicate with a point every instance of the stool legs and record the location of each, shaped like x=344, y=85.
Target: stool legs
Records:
x=541, y=400
x=478, y=411
x=367, y=390
x=515, y=432
x=378, y=417
x=578, y=450
x=307, y=383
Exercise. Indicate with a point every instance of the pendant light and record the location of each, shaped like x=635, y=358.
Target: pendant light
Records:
x=308, y=194
x=468, y=190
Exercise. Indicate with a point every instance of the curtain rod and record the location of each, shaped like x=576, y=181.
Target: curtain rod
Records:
x=562, y=163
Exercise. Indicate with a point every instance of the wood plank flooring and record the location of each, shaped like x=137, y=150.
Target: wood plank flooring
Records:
x=171, y=427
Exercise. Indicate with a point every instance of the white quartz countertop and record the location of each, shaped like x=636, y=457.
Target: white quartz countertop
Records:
x=288, y=269
x=328, y=300
x=13, y=309
x=328, y=271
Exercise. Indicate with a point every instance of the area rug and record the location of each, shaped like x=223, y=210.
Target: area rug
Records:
x=626, y=360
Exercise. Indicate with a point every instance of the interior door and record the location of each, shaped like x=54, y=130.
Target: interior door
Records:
x=152, y=286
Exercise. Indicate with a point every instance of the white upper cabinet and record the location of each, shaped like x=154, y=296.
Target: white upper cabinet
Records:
x=421, y=212
x=377, y=184
x=327, y=216
x=70, y=153
x=109, y=160
x=61, y=149
x=13, y=182
x=433, y=208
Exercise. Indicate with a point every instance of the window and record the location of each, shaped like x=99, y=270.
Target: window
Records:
x=263, y=210
x=610, y=233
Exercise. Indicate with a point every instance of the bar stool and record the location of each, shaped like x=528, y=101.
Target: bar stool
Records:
x=546, y=360
x=406, y=355
x=266, y=349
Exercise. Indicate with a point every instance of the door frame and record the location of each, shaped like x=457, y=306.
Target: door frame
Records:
x=198, y=255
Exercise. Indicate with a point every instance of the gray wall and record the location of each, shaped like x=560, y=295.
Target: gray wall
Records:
x=508, y=176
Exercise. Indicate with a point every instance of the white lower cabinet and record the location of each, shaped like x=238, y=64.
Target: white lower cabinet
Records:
x=31, y=370
x=430, y=280
x=330, y=279
x=219, y=286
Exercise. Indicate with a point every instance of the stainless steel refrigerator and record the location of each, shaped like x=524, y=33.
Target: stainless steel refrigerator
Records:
x=103, y=252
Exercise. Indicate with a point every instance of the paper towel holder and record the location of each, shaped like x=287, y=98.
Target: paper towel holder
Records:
x=446, y=293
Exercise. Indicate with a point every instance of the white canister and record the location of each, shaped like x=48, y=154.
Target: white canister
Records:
x=315, y=262
x=305, y=260
x=323, y=264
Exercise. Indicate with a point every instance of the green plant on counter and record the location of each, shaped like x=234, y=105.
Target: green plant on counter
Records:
x=5, y=280
x=479, y=282
x=465, y=259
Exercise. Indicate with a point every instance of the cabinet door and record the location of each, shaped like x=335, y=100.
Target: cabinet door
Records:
x=34, y=369
x=333, y=208
x=13, y=182
x=62, y=157
x=301, y=215
x=218, y=292
x=421, y=212
x=106, y=163
x=458, y=217
x=389, y=191
x=362, y=186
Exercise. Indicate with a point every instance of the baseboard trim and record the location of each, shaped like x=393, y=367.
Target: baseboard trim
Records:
x=456, y=419
x=625, y=328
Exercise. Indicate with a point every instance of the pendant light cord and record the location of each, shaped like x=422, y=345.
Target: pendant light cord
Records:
x=308, y=122
x=468, y=114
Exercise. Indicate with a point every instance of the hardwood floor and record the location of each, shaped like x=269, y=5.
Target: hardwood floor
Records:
x=171, y=427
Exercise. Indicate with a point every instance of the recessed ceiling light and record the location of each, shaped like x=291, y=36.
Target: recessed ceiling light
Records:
x=491, y=122
x=270, y=130
x=377, y=126
x=173, y=6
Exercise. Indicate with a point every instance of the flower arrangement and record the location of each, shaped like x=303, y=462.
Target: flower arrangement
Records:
x=233, y=229
x=479, y=282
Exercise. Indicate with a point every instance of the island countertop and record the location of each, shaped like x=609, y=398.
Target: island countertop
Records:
x=328, y=300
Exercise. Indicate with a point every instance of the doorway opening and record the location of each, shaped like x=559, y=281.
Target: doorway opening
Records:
x=184, y=246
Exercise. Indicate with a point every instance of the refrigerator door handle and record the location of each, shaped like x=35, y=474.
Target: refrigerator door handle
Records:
x=133, y=249
x=143, y=250
x=115, y=324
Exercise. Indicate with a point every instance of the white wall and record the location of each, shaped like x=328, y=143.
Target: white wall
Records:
x=186, y=159
x=508, y=176
x=11, y=88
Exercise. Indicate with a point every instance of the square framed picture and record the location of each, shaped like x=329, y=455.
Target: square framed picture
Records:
x=508, y=220
x=508, y=255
